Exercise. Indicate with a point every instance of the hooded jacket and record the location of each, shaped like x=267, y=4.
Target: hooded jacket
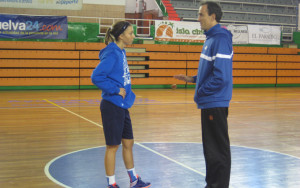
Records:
x=111, y=74
x=214, y=78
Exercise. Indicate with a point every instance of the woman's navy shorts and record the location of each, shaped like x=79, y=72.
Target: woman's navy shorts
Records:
x=116, y=123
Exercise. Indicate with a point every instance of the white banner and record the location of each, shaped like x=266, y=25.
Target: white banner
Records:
x=240, y=34
x=110, y=2
x=264, y=34
x=177, y=31
x=43, y=4
x=298, y=18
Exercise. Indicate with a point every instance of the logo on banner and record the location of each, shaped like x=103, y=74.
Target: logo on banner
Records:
x=264, y=34
x=240, y=34
x=165, y=30
x=28, y=26
x=33, y=27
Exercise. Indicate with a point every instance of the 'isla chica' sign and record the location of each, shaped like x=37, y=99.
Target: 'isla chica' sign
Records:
x=33, y=27
x=166, y=30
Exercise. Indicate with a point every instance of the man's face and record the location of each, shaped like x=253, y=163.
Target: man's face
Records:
x=206, y=21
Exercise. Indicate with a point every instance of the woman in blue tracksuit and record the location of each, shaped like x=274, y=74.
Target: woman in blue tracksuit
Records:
x=213, y=93
x=113, y=78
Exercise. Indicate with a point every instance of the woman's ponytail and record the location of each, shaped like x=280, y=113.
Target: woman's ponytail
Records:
x=109, y=37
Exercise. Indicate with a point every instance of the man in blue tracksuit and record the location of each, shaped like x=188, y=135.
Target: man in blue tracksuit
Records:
x=213, y=93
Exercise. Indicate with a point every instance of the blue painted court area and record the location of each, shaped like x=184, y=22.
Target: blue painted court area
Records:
x=175, y=165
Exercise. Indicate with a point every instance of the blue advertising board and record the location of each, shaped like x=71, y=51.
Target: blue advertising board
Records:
x=33, y=27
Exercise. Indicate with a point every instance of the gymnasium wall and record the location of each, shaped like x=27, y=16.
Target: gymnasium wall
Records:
x=90, y=8
x=68, y=65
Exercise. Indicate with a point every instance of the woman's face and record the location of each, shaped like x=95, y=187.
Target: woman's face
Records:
x=127, y=36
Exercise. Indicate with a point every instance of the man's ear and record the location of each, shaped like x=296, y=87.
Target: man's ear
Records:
x=213, y=16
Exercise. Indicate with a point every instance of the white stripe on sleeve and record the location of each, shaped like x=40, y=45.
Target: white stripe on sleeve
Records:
x=223, y=56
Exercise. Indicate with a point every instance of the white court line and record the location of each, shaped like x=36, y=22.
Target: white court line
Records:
x=149, y=149
x=181, y=164
x=46, y=169
x=97, y=124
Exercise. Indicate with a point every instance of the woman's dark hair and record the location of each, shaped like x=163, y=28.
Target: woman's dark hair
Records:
x=213, y=8
x=112, y=34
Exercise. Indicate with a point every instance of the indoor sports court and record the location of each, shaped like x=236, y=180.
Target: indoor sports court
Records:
x=51, y=132
x=55, y=138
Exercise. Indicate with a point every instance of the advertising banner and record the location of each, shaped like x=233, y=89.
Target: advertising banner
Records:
x=33, y=27
x=298, y=18
x=264, y=34
x=240, y=34
x=43, y=4
x=177, y=31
